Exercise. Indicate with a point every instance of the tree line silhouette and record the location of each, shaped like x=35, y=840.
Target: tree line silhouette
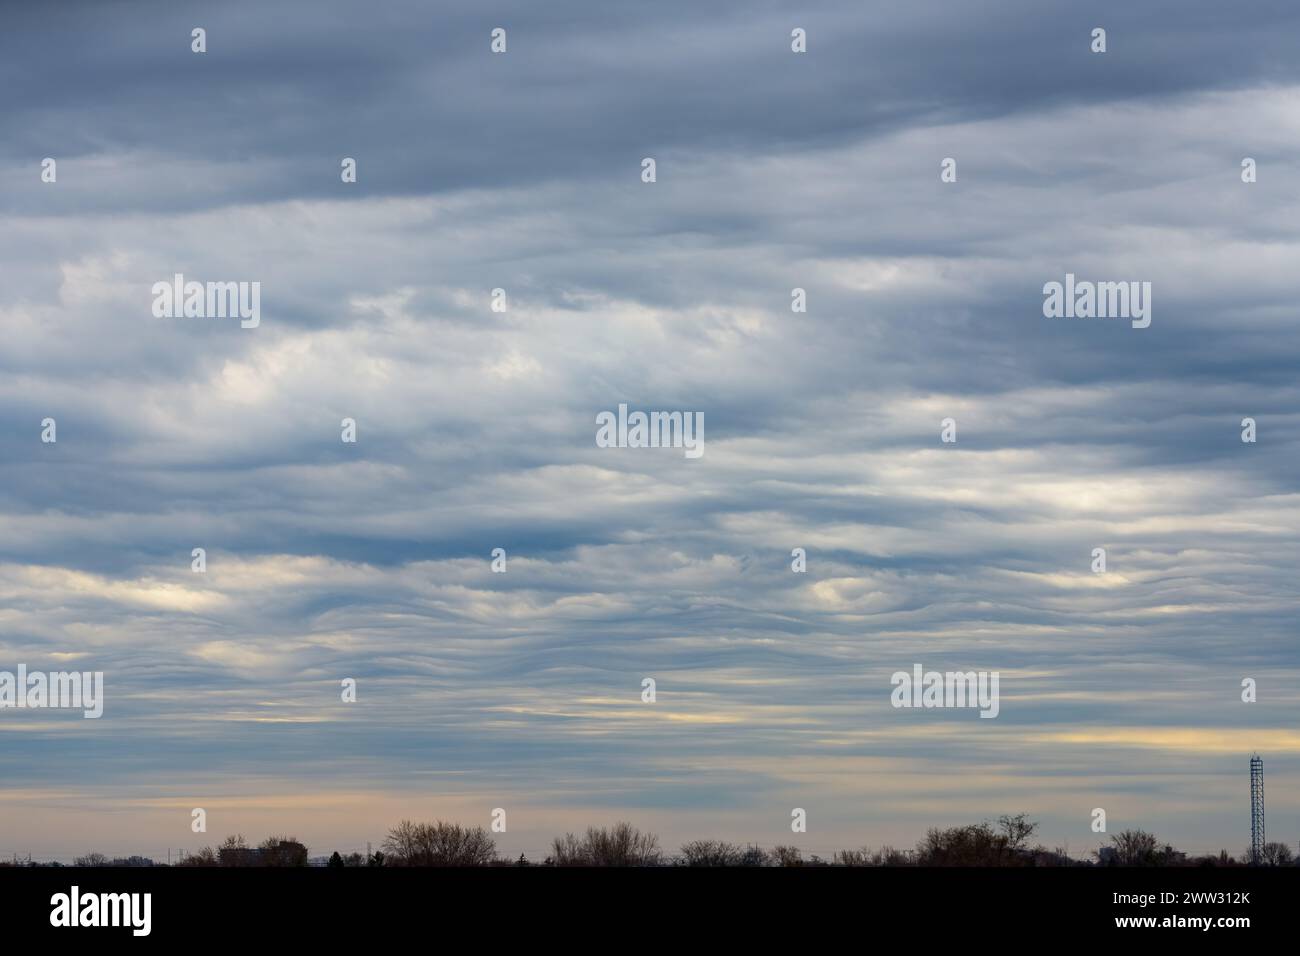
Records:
x=1004, y=843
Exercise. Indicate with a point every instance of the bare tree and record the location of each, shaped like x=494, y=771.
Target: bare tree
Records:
x=1276, y=854
x=711, y=853
x=1016, y=830
x=974, y=845
x=438, y=844
x=568, y=851
x=205, y=857
x=91, y=859
x=786, y=856
x=885, y=856
x=980, y=844
x=753, y=855
x=1135, y=848
x=619, y=845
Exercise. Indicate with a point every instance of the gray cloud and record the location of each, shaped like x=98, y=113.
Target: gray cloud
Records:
x=477, y=428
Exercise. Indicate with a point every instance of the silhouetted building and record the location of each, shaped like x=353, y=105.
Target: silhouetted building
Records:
x=240, y=856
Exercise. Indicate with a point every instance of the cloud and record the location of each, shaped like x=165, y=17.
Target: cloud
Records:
x=476, y=428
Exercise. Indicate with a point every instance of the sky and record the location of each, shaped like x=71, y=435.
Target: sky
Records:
x=522, y=171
